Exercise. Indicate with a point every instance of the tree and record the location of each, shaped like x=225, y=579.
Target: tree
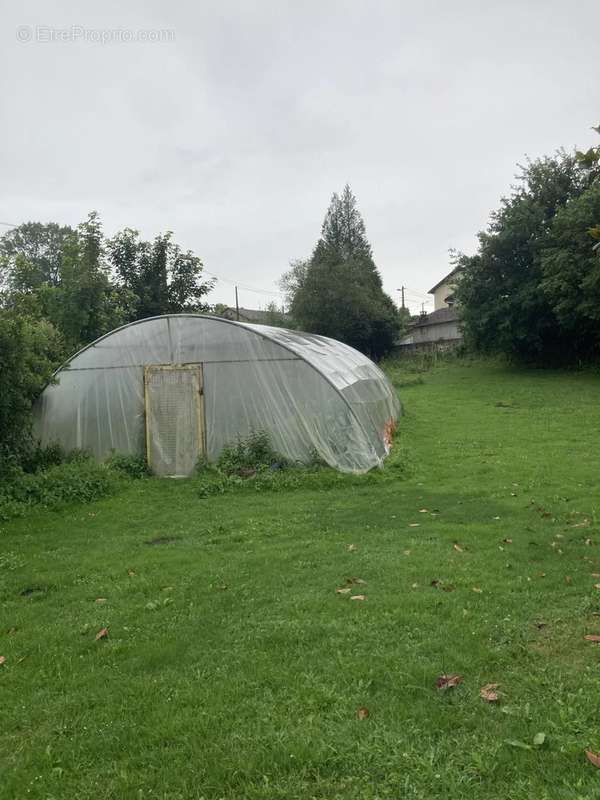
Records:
x=161, y=277
x=508, y=302
x=338, y=292
x=31, y=254
x=30, y=350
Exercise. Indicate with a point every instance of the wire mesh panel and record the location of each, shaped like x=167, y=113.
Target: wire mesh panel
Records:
x=174, y=418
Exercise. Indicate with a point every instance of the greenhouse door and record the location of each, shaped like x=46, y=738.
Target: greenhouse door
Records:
x=174, y=419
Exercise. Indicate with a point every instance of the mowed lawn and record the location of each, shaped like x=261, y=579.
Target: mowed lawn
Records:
x=233, y=669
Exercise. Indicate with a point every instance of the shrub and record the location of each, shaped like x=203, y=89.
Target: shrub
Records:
x=250, y=455
x=73, y=482
x=131, y=466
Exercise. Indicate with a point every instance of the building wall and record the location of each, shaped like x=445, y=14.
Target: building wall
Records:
x=433, y=333
x=440, y=294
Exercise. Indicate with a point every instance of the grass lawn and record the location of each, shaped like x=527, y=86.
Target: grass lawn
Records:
x=232, y=669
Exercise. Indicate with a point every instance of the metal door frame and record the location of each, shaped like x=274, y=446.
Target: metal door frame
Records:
x=200, y=410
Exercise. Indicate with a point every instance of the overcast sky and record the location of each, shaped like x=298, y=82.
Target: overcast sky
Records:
x=235, y=130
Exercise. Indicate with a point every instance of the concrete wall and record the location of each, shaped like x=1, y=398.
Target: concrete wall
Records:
x=434, y=333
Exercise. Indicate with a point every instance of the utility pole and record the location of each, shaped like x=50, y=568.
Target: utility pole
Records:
x=237, y=306
x=402, y=290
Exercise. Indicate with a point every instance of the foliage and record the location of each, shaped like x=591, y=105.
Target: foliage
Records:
x=132, y=466
x=250, y=454
x=29, y=350
x=338, y=292
x=531, y=291
x=161, y=277
x=72, y=482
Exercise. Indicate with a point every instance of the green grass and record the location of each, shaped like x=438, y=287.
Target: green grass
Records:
x=232, y=668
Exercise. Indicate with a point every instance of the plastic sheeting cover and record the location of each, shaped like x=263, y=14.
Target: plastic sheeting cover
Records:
x=310, y=393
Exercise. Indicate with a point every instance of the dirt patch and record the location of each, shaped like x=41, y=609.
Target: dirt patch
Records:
x=30, y=591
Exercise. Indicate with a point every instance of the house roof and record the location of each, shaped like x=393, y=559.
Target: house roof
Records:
x=436, y=318
x=444, y=279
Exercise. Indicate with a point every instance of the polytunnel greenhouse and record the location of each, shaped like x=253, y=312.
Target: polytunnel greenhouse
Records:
x=181, y=387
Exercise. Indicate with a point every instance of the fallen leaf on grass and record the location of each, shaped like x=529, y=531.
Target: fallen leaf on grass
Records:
x=354, y=580
x=489, y=693
x=539, y=739
x=584, y=524
x=358, y=597
x=407, y=552
x=592, y=637
x=477, y=589
x=507, y=541
x=362, y=712
x=414, y=524
x=351, y=548
x=593, y=758
x=588, y=542
x=102, y=634
x=131, y=573
x=415, y=586
x=343, y=590
x=568, y=579
x=2, y=660
x=423, y=511
x=457, y=547
x=100, y=600
x=597, y=585
x=448, y=681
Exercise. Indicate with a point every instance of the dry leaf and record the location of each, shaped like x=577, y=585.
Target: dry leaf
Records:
x=507, y=541
x=423, y=511
x=477, y=589
x=2, y=660
x=593, y=758
x=130, y=572
x=407, y=552
x=358, y=581
x=597, y=585
x=351, y=548
x=489, y=693
x=592, y=637
x=435, y=583
x=588, y=541
x=362, y=712
x=415, y=586
x=343, y=590
x=595, y=574
x=448, y=681
x=414, y=524
x=583, y=524
x=358, y=597
x=568, y=579
x=102, y=634
x=100, y=600
x=457, y=547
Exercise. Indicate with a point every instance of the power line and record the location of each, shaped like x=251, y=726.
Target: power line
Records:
x=242, y=285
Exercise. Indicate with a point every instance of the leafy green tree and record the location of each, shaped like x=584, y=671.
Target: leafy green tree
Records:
x=61, y=275
x=30, y=350
x=161, y=277
x=508, y=300
x=338, y=292
x=31, y=253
